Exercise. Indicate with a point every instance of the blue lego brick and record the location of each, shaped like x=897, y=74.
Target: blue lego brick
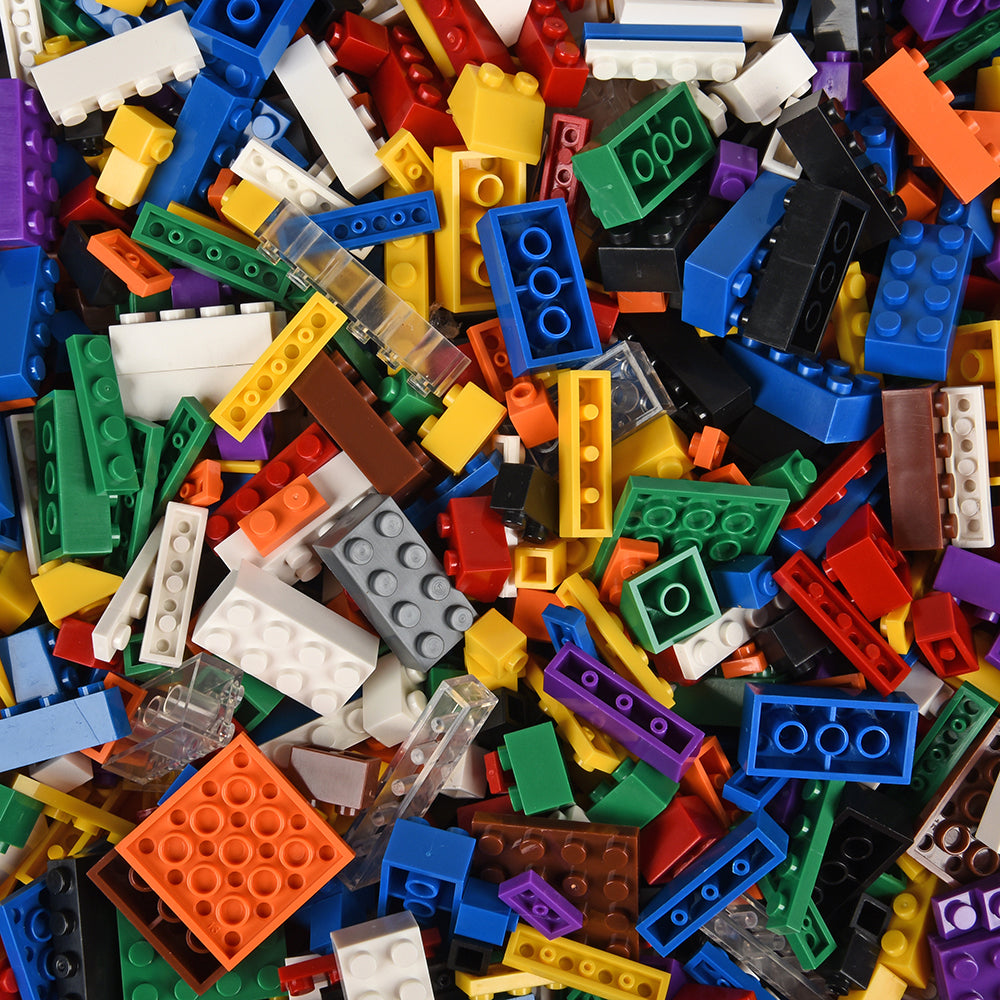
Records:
x=245, y=40
x=975, y=216
x=268, y=124
x=568, y=625
x=798, y=20
x=8, y=501
x=718, y=273
x=791, y=731
x=751, y=794
x=823, y=400
x=538, y=284
x=482, y=915
x=27, y=939
x=662, y=32
x=727, y=869
x=713, y=967
x=478, y=472
x=882, y=141
x=50, y=727
x=32, y=669
x=391, y=219
x=331, y=909
x=912, y=326
x=745, y=582
x=114, y=22
x=425, y=867
x=210, y=132
x=27, y=290
x=182, y=779
x=11, y=534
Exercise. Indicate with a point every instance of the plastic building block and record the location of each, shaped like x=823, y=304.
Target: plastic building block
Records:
x=142, y=274
x=758, y=23
x=389, y=219
x=470, y=417
x=273, y=173
x=568, y=625
x=526, y=498
x=967, y=577
x=477, y=555
x=140, y=135
x=544, y=908
x=71, y=588
x=548, y=51
x=943, y=634
x=27, y=282
x=25, y=932
x=407, y=161
x=568, y=134
x=104, y=74
x=746, y=582
x=23, y=33
x=456, y=35
x=635, y=795
x=665, y=141
x=280, y=517
x=281, y=637
x=628, y=557
x=203, y=485
x=344, y=779
x=540, y=781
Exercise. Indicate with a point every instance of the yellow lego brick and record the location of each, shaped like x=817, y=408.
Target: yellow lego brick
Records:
x=612, y=642
x=64, y=808
x=904, y=944
x=897, y=629
x=17, y=597
x=56, y=46
x=988, y=87
x=212, y=223
x=470, y=417
x=273, y=373
x=540, y=565
x=423, y=27
x=498, y=113
x=580, y=554
x=241, y=467
x=592, y=750
x=850, y=319
x=123, y=181
x=581, y=967
x=498, y=979
x=133, y=7
x=585, y=509
x=884, y=985
x=408, y=271
x=468, y=185
x=658, y=449
x=68, y=588
x=6, y=691
x=140, y=135
x=972, y=359
x=496, y=652
x=407, y=163
x=246, y=206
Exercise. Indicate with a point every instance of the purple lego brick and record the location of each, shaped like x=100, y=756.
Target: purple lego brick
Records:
x=965, y=909
x=933, y=19
x=545, y=908
x=639, y=722
x=27, y=152
x=967, y=966
x=256, y=445
x=840, y=77
x=993, y=653
x=191, y=290
x=733, y=170
x=969, y=577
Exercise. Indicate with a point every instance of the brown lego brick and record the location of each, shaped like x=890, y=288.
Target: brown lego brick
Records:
x=339, y=778
x=344, y=411
x=914, y=447
x=595, y=865
x=946, y=843
x=157, y=923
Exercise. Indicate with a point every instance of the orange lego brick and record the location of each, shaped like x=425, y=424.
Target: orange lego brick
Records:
x=746, y=661
x=531, y=412
x=278, y=518
x=706, y=775
x=216, y=196
x=728, y=473
x=528, y=608
x=132, y=696
x=628, y=557
x=491, y=352
x=642, y=302
x=235, y=851
x=143, y=275
x=947, y=137
x=203, y=485
x=707, y=446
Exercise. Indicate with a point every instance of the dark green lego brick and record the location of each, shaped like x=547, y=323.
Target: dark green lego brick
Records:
x=63, y=17
x=965, y=48
x=407, y=405
x=74, y=519
x=366, y=364
x=133, y=667
x=209, y=253
x=259, y=700
x=669, y=601
x=888, y=885
x=436, y=675
x=18, y=815
x=791, y=472
x=714, y=701
x=813, y=943
x=149, y=303
x=722, y=521
x=187, y=431
x=634, y=796
x=540, y=780
x=102, y=414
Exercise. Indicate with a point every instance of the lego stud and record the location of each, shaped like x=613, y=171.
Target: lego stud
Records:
x=244, y=16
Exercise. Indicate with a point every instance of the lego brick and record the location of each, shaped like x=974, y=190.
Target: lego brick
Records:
x=283, y=515
x=540, y=781
x=758, y=21
x=389, y=219
x=27, y=283
x=142, y=274
x=107, y=72
x=274, y=173
x=568, y=134
x=627, y=55
x=25, y=931
x=548, y=51
x=470, y=416
x=967, y=462
x=21, y=443
x=456, y=35
x=967, y=577
x=23, y=36
x=346, y=780
x=943, y=634
x=541, y=906
x=477, y=554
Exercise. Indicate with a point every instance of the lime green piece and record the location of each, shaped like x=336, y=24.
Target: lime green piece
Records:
x=407, y=405
x=18, y=815
x=188, y=428
x=63, y=17
x=634, y=795
x=791, y=472
x=540, y=780
x=975, y=42
x=259, y=700
x=814, y=943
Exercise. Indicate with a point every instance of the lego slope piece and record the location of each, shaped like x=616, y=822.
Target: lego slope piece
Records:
x=104, y=74
x=283, y=851
x=287, y=640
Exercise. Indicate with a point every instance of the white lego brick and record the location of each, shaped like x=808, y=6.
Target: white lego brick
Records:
x=21, y=438
x=304, y=71
x=670, y=61
x=383, y=959
x=279, y=177
x=286, y=639
x=968, y=464
x=757, y=18
x=23, y=35
x=468, y=778
x=104, y=74
x=510, y=447
x=923, y=687
x=393, y=700
x=114, y=628
x=153, y=395
x=340, y=730
x=65, y=773
x=172, y=594
x=506, y=17
x=712, y=108
x=573, y=813
x=988, y=830
x=779, y=159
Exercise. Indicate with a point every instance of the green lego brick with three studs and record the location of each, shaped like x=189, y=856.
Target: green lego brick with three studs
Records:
x=188, y=428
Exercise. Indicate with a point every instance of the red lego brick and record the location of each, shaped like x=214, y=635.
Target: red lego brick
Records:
x=495, y=779
x=296, y=978
x=477, y=555
x=74, y=643
x=568, y=134
x=465, y=34
x=606, y=313
x=82, y=204
x=361, y=45
x=862, y=559
x=839, y=619
x=683, y=831
x=943, y=634
x=549, y=53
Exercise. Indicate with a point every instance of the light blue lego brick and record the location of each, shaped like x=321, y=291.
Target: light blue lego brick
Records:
x=114, y=22
x=27, y=290
x=380, y=221
x=911, y=331
x=662, y=32
x=713, y=967
x=722, y=873
x=751, y=794
x=823, y=400
x=745, y=582
x=32, y=669
x=791, y=731
x=478, y=471
x=568, y=625
x=538, y=285
x=718, y=272
x=27, y=939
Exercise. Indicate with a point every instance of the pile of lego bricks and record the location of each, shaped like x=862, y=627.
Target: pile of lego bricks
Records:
x=495, y=500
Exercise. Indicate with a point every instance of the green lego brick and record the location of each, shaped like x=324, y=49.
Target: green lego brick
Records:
x=188, y=428
x=972, y=44
x=644, y=156
x=888, y=885
x=74, y=519
x=147, y=975
x=814, y=943
x=437, y=674
x=407, y=405
x=540, y=780
x=209, y=253
x=259, y=700
x=790, y=472
x=634, y=796
x=788, y=888
x=366, y=364
x=150, y=303
x=133, y=667
x=63, y=17
x=669, y=601
x=102, y=414
x=720, y=520
x=715, y=701
x=18, y=815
